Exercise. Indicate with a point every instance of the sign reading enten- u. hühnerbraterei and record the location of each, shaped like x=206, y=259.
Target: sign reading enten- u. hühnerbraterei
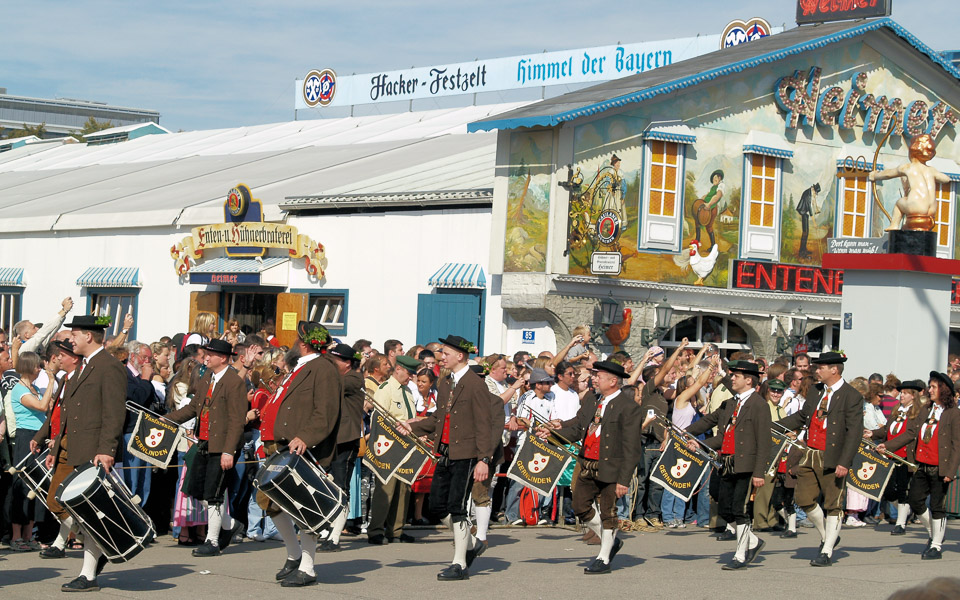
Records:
x=245, y=234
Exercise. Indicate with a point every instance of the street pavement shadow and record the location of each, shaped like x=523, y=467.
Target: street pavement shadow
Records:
x=146, y=579
x=347, y=571
x=31, y=575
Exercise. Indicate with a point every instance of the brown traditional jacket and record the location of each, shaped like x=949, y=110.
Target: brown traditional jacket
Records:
x=469, y=406
x=92, y=412
x=227, y=411
x=310, y=410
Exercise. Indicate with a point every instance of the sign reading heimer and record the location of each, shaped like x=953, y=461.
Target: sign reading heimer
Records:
x=583, y=65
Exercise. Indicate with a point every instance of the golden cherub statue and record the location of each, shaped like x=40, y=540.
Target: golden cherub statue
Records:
x=918, y=208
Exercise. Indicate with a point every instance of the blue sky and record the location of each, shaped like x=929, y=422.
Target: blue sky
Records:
x=209, y=64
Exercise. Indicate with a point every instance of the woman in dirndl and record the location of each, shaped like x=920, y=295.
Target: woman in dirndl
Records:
x=427, y=386
x=907, y=409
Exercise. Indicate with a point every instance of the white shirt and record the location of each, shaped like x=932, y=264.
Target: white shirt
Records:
x=897, y=426
x=833, y=390
x=603, y=407
x=937, y=411
x=530, y=404
x=459, y=374
x=566, y=403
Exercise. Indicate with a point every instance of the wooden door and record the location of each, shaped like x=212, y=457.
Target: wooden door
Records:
x=203, y=302
x=294, y=308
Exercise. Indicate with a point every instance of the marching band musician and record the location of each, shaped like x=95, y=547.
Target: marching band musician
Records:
x=937, y=434
x=87, y=427
x=307, y=420
x=465, y=445
x=833, y=418
x=611, y=451
x=744, y=446
x=388, y=511
x=480, y=492
x=347, y=361
x=908, y=409
x=220, y=411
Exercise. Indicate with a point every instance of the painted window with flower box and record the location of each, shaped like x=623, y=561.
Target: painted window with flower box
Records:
x=763, y=156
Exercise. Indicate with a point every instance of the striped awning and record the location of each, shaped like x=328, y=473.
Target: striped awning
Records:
x=675, y=132
x=238, y=265
x=110, y=277
x=11, y=276
x=459, y=275
x=768, y=144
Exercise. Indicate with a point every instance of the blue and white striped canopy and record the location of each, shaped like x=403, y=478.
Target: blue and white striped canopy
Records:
x=11, y=276
x=110, y=277
x=459, y=275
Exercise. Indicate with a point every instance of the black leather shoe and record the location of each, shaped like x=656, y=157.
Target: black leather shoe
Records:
x=226, y=535
x=453, y=573
x=931, y=554
x=617, y=544
x=477, y=550
x=836, y=544
x=753, y=552
x=822, y=560
x=598, y=567
x=734, y=565
x=898, y=530
x=101, y=563
x=206, y=549
x=927, y=547
x=789, y=534
x=81, y=584
x=378, y=540
x=405, y=539
x=53, y=552
x=778, y=527
x=298, y=579
x=289, y=566
x=328, y=546
x=726, y=536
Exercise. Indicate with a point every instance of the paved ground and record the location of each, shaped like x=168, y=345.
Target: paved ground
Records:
x=525, y=563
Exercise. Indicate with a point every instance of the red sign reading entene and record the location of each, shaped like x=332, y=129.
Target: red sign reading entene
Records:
x=798, y=279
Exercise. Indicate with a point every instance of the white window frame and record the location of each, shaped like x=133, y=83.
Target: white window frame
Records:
x=759, y=241
x=115, y=302
x=844, y=184
x=330, y=310
x=945, y=250
x=11, y=306
x=658, y=232
x=669, y=339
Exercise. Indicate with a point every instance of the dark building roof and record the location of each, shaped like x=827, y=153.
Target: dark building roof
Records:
x=640, y=87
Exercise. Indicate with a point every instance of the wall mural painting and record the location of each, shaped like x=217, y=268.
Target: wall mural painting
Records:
x=528, y=201
x=608, y=175
x=809, y=203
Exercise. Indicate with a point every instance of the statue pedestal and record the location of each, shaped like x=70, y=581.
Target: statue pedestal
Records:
x=895, y=311
x=922, y=243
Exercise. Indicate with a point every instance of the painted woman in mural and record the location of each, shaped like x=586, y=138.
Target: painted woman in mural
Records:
x=806, y=208
x=705, y=210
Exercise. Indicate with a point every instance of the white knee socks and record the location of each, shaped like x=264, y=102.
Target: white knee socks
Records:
x=337, y=527
x=743, y=542
x=925, y=518
x=815, y=515
x=607, y=537
x=65, y=526
x=832, y=532
x=308, y=552
x=284, y=525
x=91, y=554
x=792, y=522
x=483, y=521
x=461, y=539
x=595, y=525
x=214, y=519
x=903, y=511
x=939, y=530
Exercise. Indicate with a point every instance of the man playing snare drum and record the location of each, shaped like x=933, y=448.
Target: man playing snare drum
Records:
x=90, y=423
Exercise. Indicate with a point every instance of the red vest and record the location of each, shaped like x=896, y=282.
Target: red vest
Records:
x=817, y=434
x=445, y=434
x=203, y=432
x=591, y=447
x=729, y=434
x=271, y=408
x=928, y=453
x=897, y=429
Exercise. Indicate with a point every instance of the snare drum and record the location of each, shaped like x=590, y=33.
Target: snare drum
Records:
x=105, y=512
x=302, y=489
x=35, y=475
